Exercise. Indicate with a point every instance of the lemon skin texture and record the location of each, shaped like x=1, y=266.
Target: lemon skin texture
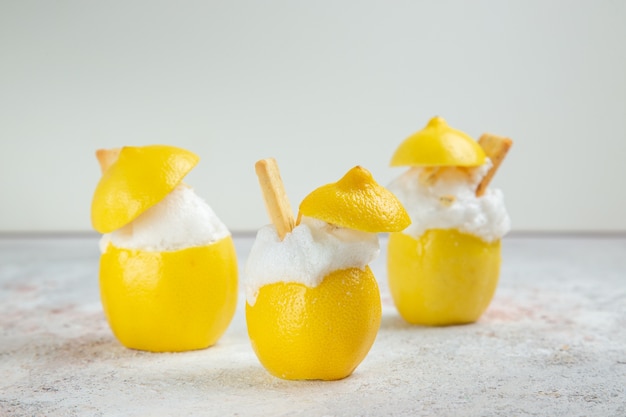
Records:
x=357, y=202
x=439, y=145
x=443, y=278
x=324, y=333
x=139, y=178
x=169, y=301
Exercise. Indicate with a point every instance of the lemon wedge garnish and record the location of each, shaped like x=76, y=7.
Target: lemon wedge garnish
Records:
x=357, y=202
x=439, y=145
x=137, y=180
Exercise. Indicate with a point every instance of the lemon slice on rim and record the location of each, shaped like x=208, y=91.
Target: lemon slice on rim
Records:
x=137, y=180
x=357, y=202
x=439, y=145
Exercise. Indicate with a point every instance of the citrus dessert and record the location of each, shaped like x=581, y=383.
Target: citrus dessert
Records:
x=168, y=268
x=312, y=303
x=444, y=268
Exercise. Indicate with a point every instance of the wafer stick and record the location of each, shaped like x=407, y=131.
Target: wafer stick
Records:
x=496, y=148
x=106, y=157
x=276, y=201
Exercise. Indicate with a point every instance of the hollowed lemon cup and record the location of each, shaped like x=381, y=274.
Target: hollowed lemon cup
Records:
x=443, y=278
x=169, y=301
x=299, y=332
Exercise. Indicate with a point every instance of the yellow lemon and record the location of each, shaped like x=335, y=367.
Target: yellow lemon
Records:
x=445, y=277
x=169, y=301
x=137, y=180
x=323, y=333
x=357, y=202
x=439, y=145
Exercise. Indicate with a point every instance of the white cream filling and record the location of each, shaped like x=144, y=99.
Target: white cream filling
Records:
x=451, y=203
x=180, y=220
x=311, y=251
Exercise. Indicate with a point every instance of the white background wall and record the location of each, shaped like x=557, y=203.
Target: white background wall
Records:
x=321, y=86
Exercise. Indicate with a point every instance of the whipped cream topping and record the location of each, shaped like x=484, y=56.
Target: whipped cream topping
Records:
x=311, y=251
x=450, y=202
x=181, y=220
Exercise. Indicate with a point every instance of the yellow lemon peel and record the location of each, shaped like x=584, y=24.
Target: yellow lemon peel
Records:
x=439, y=145
x=358, y=202
x=442, y=278
x=139, y=178
x=169, y=301
x=298, y=332
x=323, y=332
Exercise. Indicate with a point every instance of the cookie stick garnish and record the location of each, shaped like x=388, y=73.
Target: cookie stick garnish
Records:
x=496, y=148
x=276, y=201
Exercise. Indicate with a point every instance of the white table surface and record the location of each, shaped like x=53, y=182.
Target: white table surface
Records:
x=553, y=343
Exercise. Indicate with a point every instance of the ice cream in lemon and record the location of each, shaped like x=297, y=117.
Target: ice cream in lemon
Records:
x=312, y=303
x=444, y=268
x=168, y=269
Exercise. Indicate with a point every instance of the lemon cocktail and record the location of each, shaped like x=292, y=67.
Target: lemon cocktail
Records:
x=168, y=268
x=312, y=303
x=444, y=268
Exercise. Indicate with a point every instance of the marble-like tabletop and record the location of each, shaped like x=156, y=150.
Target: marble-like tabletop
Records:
x=552, y=343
